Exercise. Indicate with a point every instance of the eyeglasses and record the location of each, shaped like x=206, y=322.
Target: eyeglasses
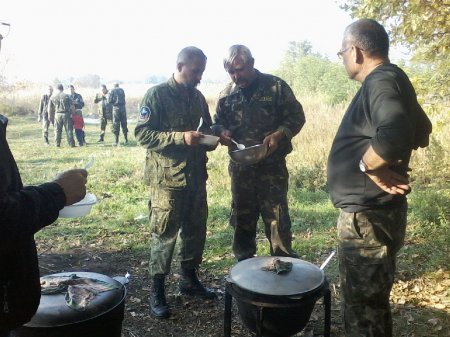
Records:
x=340, y=53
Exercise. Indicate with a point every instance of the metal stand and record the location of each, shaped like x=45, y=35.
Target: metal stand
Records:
x=230, y=293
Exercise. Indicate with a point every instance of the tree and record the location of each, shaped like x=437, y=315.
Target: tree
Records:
x=309, y=73
x=421, y=25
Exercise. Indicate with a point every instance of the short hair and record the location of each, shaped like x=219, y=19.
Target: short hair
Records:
x=103, y=86
x=188, y=54
x=370, y=36
x=237, y=51
x=72, y=87
x=60, y=87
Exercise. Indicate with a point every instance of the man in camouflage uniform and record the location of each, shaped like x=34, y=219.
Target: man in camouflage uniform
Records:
x=117, y=100
x=176, y=172
x=368, y=179
x=104, y=110
x=258, y=108
x=61, y=105
x=43, y=113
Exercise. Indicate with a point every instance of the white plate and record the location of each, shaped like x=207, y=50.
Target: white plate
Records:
x=208, y=140
x=81, y=208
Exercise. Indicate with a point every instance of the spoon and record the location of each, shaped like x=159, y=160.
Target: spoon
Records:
x=200, y=124
x=89, y=163
x=239, y=146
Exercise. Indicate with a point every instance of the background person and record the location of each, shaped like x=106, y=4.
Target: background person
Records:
x=117, y=100
x=368, y=179
x=78, y=125
x=104, y=110
x=44, y=115
x=61, y=106
x=258, y=108
x=176, y=172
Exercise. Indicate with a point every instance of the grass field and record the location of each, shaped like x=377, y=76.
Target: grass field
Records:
x=421, y=296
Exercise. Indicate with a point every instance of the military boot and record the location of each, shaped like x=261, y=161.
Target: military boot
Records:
x=158, y=303
x=101, y=139
x=126, y=139
x=46, y=140
x=117, y=140
x=190, y=285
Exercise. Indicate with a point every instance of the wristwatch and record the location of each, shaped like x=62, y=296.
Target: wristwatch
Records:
x=363, y=167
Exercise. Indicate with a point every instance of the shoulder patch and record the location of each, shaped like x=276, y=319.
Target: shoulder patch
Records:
x=144, y=114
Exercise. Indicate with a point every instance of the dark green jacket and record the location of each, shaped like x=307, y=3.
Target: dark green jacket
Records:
x=60, y=103
x=164, y=117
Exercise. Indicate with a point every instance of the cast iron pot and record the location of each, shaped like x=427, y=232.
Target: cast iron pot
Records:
x=284, y=302
x=102, y=318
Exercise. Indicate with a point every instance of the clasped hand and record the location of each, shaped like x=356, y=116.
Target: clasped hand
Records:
x=390, y=181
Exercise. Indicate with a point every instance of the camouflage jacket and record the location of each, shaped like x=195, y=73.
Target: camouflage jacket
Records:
x=104, y=108
x=116, y=97
x=43, y=106
x=60, y=103
x=164, y=117
x=271, y=107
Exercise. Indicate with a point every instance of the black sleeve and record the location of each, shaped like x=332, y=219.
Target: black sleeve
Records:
x=26, y=211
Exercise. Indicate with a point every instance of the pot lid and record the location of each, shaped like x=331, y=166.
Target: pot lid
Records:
x=53, y=310
x=253, y=275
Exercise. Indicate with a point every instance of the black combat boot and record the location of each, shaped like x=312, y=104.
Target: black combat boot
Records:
x=190, y=285
x=46, y=141
x=101, y=139
x=126, y=139
x=117, y=140
x=158, y=303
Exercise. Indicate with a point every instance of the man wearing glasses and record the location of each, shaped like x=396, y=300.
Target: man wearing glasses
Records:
x=367, y=176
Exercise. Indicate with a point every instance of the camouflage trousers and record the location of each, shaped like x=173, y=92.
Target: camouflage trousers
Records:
x=176, y=213
x=368, y=243
x=103, y=122
x=45, y=126
x=63, y=120
x=260, y=190
x=119, y=120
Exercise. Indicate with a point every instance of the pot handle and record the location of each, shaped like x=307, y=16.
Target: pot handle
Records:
x=324, y=264
x=123, y=279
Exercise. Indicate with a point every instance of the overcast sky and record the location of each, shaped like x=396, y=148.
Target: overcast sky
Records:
x=133, y=39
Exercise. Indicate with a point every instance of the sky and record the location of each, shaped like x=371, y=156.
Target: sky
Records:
x=133, y=39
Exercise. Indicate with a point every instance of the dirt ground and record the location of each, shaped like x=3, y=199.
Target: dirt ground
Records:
x=191, y=317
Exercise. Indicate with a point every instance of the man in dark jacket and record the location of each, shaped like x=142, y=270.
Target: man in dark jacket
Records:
x=368, y=176
x=23, y=212
x=119, y=113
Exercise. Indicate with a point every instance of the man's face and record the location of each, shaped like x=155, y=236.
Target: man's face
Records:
x=191, y=73
x=242, y=74
x=72, y=90
x=104, y=91
x=50, y=91
x=347, y=55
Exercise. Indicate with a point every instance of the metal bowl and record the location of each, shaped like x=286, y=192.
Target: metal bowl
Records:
x=250, y=155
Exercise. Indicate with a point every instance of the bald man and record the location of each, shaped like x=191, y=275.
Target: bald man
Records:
x=176, y=172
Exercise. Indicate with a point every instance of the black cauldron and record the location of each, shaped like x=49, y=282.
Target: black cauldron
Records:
x=275, y=305
x=102, y=318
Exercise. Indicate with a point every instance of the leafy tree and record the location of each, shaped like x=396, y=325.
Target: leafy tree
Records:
x=421, y=25
x=311, y=73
